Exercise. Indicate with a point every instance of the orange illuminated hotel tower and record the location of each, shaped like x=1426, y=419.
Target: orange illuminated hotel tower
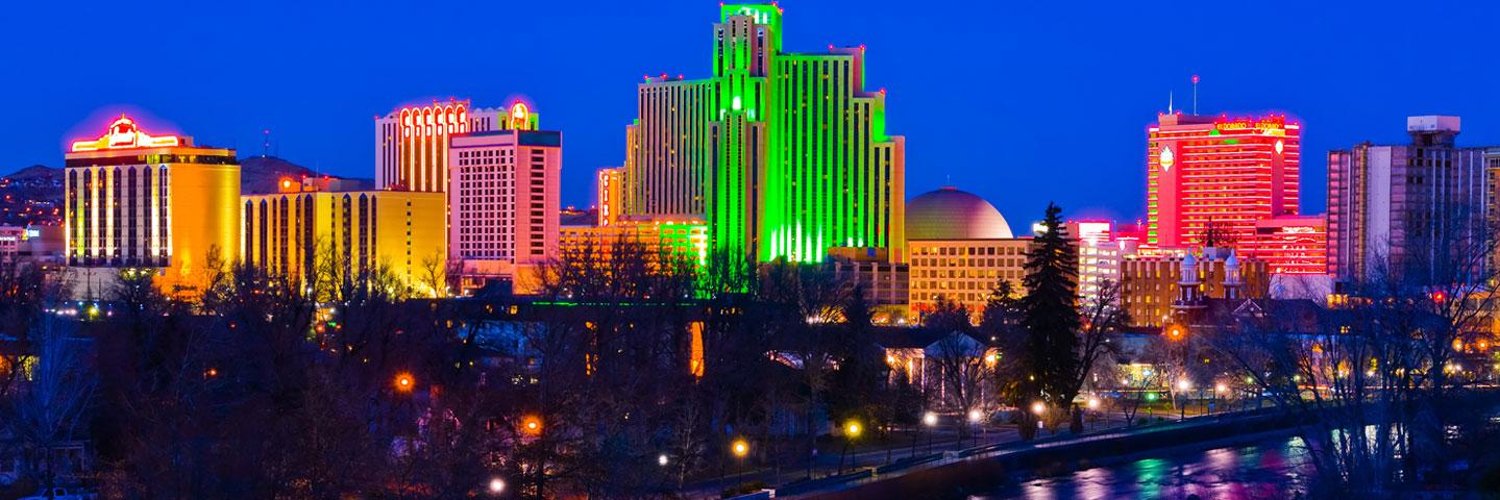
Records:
x=158, y=203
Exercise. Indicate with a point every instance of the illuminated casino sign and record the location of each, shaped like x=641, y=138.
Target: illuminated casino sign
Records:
x=1166, y=158
x=124, y=134
x=520, y=116
x=1274, y=126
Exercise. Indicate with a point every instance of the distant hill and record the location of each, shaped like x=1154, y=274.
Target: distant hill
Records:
x=35, y=172
x=33, y=195
x=260, y=174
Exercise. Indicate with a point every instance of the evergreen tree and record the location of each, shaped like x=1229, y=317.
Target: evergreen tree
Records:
x=1002, y=314
x=1050, y=315
x=948, y=315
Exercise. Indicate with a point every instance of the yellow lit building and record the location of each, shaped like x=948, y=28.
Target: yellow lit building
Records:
x=686, y=237
x=138, y=201
x=314, y=234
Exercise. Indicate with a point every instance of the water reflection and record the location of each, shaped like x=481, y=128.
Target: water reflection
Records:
x=1272, y=469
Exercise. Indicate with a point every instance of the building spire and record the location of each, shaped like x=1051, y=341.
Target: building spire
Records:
x=1169, y=102
x=1195, y=95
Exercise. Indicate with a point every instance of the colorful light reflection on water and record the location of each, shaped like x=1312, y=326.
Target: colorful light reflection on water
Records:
x=1272, y=469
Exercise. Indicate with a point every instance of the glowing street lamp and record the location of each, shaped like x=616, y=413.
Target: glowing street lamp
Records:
x=404, y=382
x=740, y=448
x=532, y=424
x=662, y=460
x=929, y=420
x=1038, y=408
x=851, y=431
x=974, y=416
x=1093, y=403
x=1183, y=385
x=497, y=486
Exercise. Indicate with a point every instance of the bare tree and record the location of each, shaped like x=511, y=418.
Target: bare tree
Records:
x=1102, y=316
x=47, y=409
x=1382, y=378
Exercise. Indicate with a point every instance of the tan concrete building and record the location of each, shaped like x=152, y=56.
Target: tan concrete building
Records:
x=961, y=249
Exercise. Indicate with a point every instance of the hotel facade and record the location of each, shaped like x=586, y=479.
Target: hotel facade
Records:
x=323, y=237
x=504, y=201
x=1217, y=181
x=784, y=155
x=133, y=200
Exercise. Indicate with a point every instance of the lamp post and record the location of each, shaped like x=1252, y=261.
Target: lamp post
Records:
x=929, y=421
x=1183, y=386
x=851, y=431
x=975, y=419
x=1039, y=409
x=1219, y=390
x=1093, y=405
x=739, y=448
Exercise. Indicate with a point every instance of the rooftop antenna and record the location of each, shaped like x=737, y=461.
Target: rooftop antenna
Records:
x=1195, y=95
x=266, y=146
x=1169, y=102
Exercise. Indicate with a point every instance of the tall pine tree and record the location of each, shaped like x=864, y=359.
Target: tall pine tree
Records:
x=1050, y=315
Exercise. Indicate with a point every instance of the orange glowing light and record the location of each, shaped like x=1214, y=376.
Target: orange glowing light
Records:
x=532, y=424
x=1175, y=332
x=404, y=382
x=124, y=134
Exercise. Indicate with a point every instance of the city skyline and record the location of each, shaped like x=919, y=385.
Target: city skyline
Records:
x=1031, y=90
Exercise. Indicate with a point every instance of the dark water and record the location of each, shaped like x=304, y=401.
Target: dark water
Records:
x=1274, y=468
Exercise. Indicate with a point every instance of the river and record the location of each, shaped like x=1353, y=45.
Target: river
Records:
x=1272, y=468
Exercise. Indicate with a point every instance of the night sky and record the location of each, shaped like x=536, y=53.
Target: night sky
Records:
x=1020, y=102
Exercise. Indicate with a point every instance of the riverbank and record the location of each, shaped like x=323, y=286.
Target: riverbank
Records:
x=974, y=472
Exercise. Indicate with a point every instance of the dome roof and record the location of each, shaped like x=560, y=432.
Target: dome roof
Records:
x=950, y=214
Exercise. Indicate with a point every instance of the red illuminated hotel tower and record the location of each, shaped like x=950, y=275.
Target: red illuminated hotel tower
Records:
x=1214, y=170
x=1238, y=176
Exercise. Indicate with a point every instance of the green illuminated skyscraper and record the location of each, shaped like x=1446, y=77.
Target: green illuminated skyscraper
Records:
x=784, y=154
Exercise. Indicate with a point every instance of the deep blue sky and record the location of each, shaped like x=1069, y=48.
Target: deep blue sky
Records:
x=1020, y=102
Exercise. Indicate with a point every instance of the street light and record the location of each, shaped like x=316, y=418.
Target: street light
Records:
x=739, y=448
x=851, y=431
x=497, y=486
x=929, y=420
x=662, y=460
x=1183, y=385
x=404, y=382
x=532, y=424
x=1093, y=403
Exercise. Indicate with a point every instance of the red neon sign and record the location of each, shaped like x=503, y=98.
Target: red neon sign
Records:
x=124, y=134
